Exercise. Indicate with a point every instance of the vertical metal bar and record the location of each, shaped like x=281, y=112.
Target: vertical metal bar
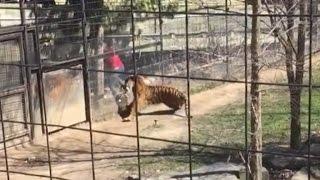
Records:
x=208, y=26
x=40, y=101
x=23, y=71
x=156, y=53
x=227, y=39
x=86, y=82
x=4, y=142
x=39, y=75
x=23, y=79
x=135, y=94
x=310, y=85
x=28, y=69
x=40, y=85
x=161, y=38
x=188, y=87
x=37, y=88
x=246, y=86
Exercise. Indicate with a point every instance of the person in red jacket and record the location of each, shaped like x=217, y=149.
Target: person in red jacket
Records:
x=113, y=62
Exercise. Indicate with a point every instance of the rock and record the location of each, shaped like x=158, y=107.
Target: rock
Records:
x=216, y=171
x=220, y=167
x=219, y=170
x=224, y=176
x=282, y=174
x=302, y=175
x=315, y=138
x=314, y=149
x=265, y=174
x=281, y=162
x=315, y=171
x=195, y=149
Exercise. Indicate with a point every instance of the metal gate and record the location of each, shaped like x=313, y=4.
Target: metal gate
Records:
x=13, y=98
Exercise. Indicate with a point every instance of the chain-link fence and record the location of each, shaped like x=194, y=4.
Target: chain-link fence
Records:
x=58, y=113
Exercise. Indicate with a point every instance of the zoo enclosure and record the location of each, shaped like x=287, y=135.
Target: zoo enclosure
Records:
x=39, y=54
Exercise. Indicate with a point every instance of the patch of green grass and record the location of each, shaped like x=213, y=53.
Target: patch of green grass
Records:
x=226, y=126
x=202, y=87
x=164, y=163
x=174, y=158
x=220, y=127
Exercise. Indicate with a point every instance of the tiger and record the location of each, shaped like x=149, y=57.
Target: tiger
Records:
x=146, y=95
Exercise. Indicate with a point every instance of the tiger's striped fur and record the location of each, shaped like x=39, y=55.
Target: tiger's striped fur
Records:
x=150, y=94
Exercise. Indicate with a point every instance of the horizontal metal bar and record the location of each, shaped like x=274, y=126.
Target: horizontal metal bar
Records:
x=19, y=65
x=166, y=140
x=32, y=174
x=200, y=78
x=12, y=91
x=204, y=13
x=10, y=29
x=13, y=138
x=48, y=68
x=72, y=125
x=62, y=65
x=230, y=13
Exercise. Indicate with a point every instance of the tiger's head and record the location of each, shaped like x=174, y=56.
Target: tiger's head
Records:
x=135, y=83
x=129, y=87
x=127, y=90
x=124, y=108
x=122, y=100
x=125, y=99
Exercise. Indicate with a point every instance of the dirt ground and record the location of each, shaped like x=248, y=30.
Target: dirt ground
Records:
x=70, y=149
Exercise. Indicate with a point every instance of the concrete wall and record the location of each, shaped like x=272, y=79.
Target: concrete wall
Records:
x=11, y=17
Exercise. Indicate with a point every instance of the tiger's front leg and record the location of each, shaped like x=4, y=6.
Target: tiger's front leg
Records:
x=135, y=111
x=127, y=112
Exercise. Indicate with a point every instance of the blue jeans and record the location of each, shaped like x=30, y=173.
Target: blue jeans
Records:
x=113, y=80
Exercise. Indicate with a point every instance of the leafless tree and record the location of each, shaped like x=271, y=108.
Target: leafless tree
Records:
x=294, y=47
x=256, y=127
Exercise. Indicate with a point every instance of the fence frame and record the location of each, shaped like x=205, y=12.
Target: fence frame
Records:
x=28, y=69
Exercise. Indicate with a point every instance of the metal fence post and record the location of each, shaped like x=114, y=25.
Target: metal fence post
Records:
x=135, y=94
x=86, y=82
x=188, y=85
x=4, y=142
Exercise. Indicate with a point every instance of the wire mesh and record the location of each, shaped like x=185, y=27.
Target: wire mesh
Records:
x=195, y=46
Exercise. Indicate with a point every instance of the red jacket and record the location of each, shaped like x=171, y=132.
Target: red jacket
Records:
x=114, y=62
